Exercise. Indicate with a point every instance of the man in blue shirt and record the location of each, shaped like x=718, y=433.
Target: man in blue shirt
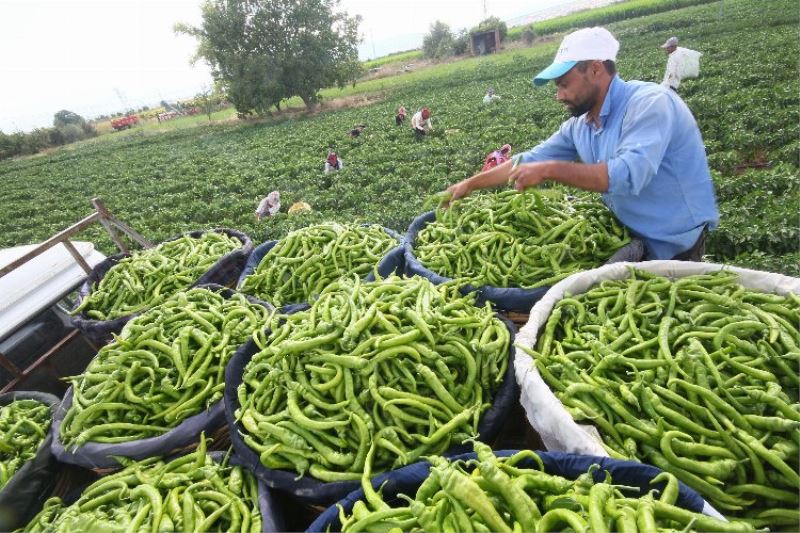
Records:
x=637, y=142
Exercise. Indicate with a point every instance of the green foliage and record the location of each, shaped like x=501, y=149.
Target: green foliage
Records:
x=528, y=35
x=461, y=43
x=604, y=15
x=759, y=211
x=68, y=128
x=267, y=50
x=439, y=41
x=64, y=118
x=788, y=264
x=492, y=23
x=398, y=57
x=747, y=107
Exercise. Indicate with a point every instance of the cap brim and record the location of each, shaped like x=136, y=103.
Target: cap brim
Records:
x=556, y=70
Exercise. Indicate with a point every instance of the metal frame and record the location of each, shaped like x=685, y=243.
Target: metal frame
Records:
x=114, y=227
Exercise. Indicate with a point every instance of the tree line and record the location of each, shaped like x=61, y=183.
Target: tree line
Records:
x=68, y=127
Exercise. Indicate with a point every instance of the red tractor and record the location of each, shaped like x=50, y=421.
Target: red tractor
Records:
x=126, y=122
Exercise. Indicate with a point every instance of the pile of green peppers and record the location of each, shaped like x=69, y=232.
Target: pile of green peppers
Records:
x=167, y=365
x=23, y=426
x=697, y=376
x=526, y=240
x=401, y=363
x=309, y=259
x=146, y=278
x=494, y=494
x=190, y=493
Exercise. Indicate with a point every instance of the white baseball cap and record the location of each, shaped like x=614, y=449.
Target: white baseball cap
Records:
x=582, y=45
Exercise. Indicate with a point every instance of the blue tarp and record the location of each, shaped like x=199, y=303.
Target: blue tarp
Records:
x=406, y=481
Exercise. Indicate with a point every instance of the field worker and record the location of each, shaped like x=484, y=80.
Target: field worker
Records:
x=333, y=162
x=421, y=122
x=638, y=144
x=498, y=157
x=357, y=131
x=681, y=63
x=400, y=117
x=490, y=96
x=269, y=205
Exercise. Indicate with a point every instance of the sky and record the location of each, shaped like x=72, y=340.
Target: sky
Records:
x=96, y=57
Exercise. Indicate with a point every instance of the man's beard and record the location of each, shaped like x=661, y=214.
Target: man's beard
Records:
x=580, y=108
x=577, y=109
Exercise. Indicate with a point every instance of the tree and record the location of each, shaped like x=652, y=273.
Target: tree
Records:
x=263, y=51
x=65, y=117
x=461, y=43
x=528, y=35
x=439, y=41
x=492, y=23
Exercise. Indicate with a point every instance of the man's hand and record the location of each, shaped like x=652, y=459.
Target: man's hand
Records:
x=528, y=175
x=458, y=191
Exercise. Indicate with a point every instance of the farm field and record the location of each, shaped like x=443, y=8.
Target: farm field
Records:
x=746, y=101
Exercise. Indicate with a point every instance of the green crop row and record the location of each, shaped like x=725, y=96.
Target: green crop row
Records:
x=746, y=104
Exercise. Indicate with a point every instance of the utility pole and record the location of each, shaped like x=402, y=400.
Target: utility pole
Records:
x=484, y=9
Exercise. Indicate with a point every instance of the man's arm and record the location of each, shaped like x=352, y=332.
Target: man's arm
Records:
x=493, y=177
x=559, y=147
x=645, y=136
x=589, y=177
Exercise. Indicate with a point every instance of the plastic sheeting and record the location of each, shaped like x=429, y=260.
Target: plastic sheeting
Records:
x=311, y=490
x=504, y=298
x=544, y=411
x=408, y=479
x=25, y=492
x=224, y=272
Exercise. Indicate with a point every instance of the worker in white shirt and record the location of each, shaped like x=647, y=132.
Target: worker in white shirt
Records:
x=490, y=96
x=269, y=205
x=682, y=63
x=421, y=122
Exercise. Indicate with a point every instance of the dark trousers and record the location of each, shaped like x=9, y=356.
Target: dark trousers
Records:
x=419, y=131
x=695, y=253
x=398, y=119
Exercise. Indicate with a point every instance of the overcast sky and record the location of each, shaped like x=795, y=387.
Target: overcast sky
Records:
x=101, y=56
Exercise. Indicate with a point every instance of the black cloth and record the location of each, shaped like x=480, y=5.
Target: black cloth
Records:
x=695, y=253
x=419, y=131
x=399, y=119
x=23, y=495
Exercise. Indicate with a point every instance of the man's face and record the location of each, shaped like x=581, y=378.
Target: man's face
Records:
x=669, y=49
x=577, y=91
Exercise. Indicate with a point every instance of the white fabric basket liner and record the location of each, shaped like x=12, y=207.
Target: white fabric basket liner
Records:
x=544, y=411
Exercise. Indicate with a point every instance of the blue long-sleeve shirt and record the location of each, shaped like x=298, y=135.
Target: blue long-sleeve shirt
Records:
x=659, y=183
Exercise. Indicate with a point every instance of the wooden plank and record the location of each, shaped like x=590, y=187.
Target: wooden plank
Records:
x=130, y=232
x=41, y=360
x=77, y=256
x=6, y=363
x=104, y=216
x=49, y=243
